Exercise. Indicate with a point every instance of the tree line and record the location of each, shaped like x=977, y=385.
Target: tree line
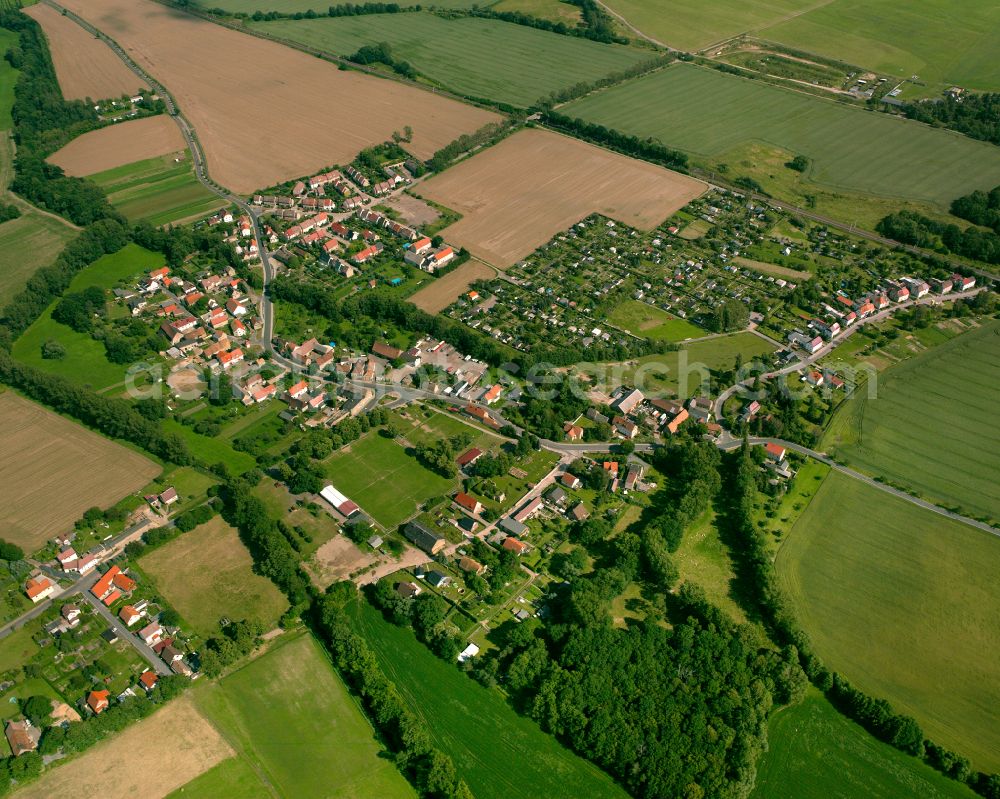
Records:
x=648, y=149
x=44, y=122
x=975, y=115
x=875, y=715
x=910, y=227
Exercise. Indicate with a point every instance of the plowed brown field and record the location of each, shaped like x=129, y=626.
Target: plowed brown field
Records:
x=85, y=66
x=52, y=470
x=515, y=196
x=438, y=295
x=118, y=145
x=264, y=112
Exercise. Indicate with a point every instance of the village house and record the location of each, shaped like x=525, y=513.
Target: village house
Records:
x=99, y=701
x=518, y=547
x=569, y=480
x=469, y=458
x=578, y=512
x=408, y=590
x=22, y=736
x=152, y=633
x=628, y=401
x=470, y=566
x=573, y=431
x=39, y=588
x=774, y=452
x=625, y=427
x=429, y=542
x=469, y=503
x=528, y=510
x=148, y=680
x=513, y=526
x=129, y=615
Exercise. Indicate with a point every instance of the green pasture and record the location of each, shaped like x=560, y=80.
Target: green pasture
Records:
x=27, y=243
x=291, y=719
x=500, y=754
x=903, y=602
x=816, y=753
x=230, y=779
x=933, y=425
x=706, y=113
x=484, y=58
x=158, y=190
x=211, y=450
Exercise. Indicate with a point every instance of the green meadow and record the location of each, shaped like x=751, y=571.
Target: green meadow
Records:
x=296, y=730
x=707, y=113
x=31, y=241
x=933, y=426
x=85, y=361
x=903, y=602
x=816, y=753
x=500, y=754
x=642, y=319
x=158, y=190
x=482, y=58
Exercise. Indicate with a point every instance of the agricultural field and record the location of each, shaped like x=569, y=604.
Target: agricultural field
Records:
x=161, y=190
x=437, y=296
x=85, y=360
x=207, y=574
x=386, y=482
x=926, y=39
x=955, y=464
x=118, y=145
x=483, y=58
x=517, y=194
x=31, y=241
x=501, y=755
x=149, y=759
x=85, y=66
x=902, y=601
x=302, y=126
x=816, y=753
x=643, y=319
x=683, y=373
x=295, y=726
x=707, y=114
x=52, y=470
x=692, y=25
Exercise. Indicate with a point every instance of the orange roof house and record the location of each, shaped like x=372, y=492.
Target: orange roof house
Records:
x=39, y=588
x=99, y=700
x=148, y=680
x=124, y=582
x=468, y=502
x=515, y=545
x=103, y=586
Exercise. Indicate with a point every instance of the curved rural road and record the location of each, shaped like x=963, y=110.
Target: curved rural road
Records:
x=726, y=442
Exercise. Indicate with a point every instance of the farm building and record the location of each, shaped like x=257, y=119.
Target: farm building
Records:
x=340, y=503
x=429, y=542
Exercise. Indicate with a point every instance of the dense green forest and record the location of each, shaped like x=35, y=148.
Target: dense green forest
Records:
x=975, y=115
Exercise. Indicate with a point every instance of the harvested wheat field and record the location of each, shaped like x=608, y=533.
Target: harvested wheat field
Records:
x=515, y=196
x=444, y=291
x=264, y=112
x=150, y=759
x=118, y=145
x=85, y=66
x=52, y=470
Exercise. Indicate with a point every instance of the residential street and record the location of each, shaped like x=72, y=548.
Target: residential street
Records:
x=127, y=635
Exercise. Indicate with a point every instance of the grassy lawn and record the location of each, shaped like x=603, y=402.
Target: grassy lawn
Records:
x=501, y=754
x=955, y=463
x=684, y=372
x=706, y=113
x=207, y=574
x=18, y=648
x=27, y=243
x=642, y=319
x=902, y=602
x=475, y=57
x=388, y=484
x=291, y=719
x=816, y=753
x=211, y=450
x=159, y=190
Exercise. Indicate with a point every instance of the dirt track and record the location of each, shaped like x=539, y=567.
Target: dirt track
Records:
x=515, y=196
x=265, y=113
x=85, y=66
x=118, y=145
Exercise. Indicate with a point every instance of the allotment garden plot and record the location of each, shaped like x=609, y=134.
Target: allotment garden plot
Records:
x=519, y=193
x=264, y=112
x=53, y=469
x=707, y=113
x=902, y=602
